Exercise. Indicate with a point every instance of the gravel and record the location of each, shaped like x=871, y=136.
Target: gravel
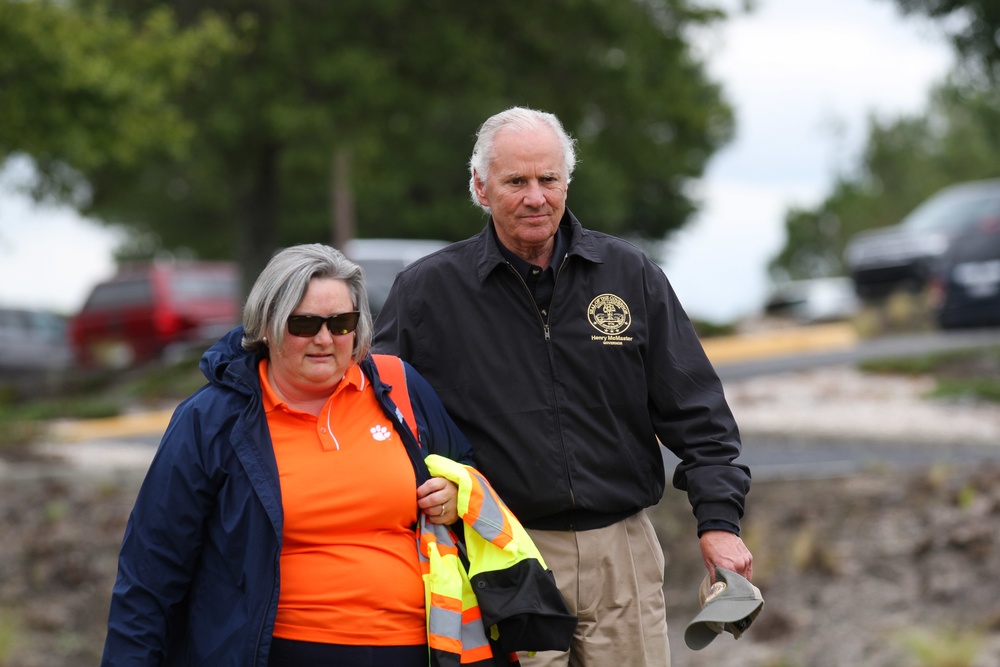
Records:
x=882, y=567
x=840, y=402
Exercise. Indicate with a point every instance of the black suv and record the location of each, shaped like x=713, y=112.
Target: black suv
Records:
x=904, y=256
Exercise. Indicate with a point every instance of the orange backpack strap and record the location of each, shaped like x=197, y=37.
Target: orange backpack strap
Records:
x=392, y=373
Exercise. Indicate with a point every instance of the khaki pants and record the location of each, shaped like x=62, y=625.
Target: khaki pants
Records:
x=612, y=578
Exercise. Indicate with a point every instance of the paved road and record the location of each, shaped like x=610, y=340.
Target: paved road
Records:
x=129, y=441
x=833, y=344
x=794, y=458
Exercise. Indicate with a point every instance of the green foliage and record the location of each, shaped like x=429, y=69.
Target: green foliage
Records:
x=395, y=90
x=8, y=635
x=708, y=329
x=98, y=396
x=83, y=89
x=987, y=358
x=24, y=423
x=168, y=382
x=972, y=26
x=964, y=374
x=942, y=647
x=982, y=389
x=905, y=161
x=900, y=365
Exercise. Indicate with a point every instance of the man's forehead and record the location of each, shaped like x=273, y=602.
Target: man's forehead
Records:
x=527, y=172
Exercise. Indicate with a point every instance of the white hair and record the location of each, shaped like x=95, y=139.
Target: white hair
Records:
x=519, y=119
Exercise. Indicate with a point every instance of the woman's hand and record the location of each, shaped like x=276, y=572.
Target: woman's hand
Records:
x=437, y=498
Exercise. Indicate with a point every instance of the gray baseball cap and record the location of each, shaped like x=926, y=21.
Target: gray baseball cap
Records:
x=729, y=605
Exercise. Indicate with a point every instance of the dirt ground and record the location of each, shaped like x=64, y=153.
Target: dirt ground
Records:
x=883, y=568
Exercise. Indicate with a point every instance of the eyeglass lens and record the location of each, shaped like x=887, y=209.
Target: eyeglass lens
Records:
x=309, y=325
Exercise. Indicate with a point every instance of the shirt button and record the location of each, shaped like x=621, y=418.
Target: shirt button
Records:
x=322, y=430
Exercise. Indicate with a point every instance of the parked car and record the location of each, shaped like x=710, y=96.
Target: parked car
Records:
x=382, y=259
x=904, y=256
x=965, y=291
x=813, y=301
x=155, y=310
x=32, y=341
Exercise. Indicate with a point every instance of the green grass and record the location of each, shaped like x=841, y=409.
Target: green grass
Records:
x=942, y=647
x=96, y=396
x=972, y=374
x=8, y=635
x=708, y=329
x=982, y=389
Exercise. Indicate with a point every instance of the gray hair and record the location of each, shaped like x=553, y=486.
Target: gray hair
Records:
x=518, y=119
x=282, y=284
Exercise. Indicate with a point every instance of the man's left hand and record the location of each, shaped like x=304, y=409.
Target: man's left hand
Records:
x=720, y=548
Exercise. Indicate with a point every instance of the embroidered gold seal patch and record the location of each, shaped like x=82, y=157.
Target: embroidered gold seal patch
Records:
x=609, y=314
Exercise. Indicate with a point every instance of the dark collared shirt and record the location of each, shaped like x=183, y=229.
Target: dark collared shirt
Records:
x=540, y=280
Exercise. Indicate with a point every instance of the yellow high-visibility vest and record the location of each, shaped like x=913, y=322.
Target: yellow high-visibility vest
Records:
x=507, y=600
x=507, y=589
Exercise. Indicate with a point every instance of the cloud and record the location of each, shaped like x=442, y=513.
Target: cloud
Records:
x=50, y=257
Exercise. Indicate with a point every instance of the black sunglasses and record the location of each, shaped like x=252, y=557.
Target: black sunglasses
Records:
x=309, y=325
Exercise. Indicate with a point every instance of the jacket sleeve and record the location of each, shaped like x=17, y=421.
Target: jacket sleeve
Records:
x=390, y=324
x=690, y=413
x=162, y=543
x=438, y=433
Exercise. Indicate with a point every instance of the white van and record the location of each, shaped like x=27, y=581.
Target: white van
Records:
x=382, y=259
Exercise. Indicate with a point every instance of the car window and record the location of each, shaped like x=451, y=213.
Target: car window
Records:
x=953, y=212
x=47, y=326
x=120, y=293
x=198, y=286
x=12, y=321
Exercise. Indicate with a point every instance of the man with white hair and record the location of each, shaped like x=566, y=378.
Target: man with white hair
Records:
x=565, y=357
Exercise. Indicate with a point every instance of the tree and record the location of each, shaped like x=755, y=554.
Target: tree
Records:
x=908, y=159
x=973, y=26
x=391, y=93
x=904, y=162
x=83, y=90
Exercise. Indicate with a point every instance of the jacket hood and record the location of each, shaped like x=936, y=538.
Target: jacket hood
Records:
x=228, y=364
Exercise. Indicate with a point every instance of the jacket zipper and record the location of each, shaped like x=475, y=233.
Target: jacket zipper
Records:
x=531, y=300
x=546, y=333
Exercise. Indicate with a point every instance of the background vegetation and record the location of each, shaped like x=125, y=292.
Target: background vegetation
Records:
x=907, y=159
x=277, y=123
x=228, y=128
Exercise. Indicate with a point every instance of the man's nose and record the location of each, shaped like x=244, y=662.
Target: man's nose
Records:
x=534, y=195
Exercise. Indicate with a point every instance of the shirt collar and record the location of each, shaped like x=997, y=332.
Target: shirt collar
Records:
x=352, y=378
x=523, y=267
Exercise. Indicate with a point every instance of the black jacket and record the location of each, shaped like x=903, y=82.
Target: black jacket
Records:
x=564, y=414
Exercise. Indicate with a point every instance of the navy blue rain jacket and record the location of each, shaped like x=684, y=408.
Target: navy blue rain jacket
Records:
x=198, y=573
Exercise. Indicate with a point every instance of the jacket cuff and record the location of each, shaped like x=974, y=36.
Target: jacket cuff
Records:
x=710, y=514
x=718, y=525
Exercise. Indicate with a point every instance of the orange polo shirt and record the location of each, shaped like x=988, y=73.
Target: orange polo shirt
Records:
x=349, y=570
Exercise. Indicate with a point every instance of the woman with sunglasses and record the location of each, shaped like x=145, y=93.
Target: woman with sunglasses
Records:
x=275, y=524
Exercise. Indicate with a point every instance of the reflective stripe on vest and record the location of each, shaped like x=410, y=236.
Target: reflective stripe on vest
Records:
x=494, y=538
x=456, y=636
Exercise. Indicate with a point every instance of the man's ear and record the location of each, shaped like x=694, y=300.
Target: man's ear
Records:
x=480, y=189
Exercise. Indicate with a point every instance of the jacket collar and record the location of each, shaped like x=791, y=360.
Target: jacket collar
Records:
x=227, y=364
x=581, y=244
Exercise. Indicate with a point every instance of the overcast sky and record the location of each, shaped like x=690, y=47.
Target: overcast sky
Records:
x=803, y=76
